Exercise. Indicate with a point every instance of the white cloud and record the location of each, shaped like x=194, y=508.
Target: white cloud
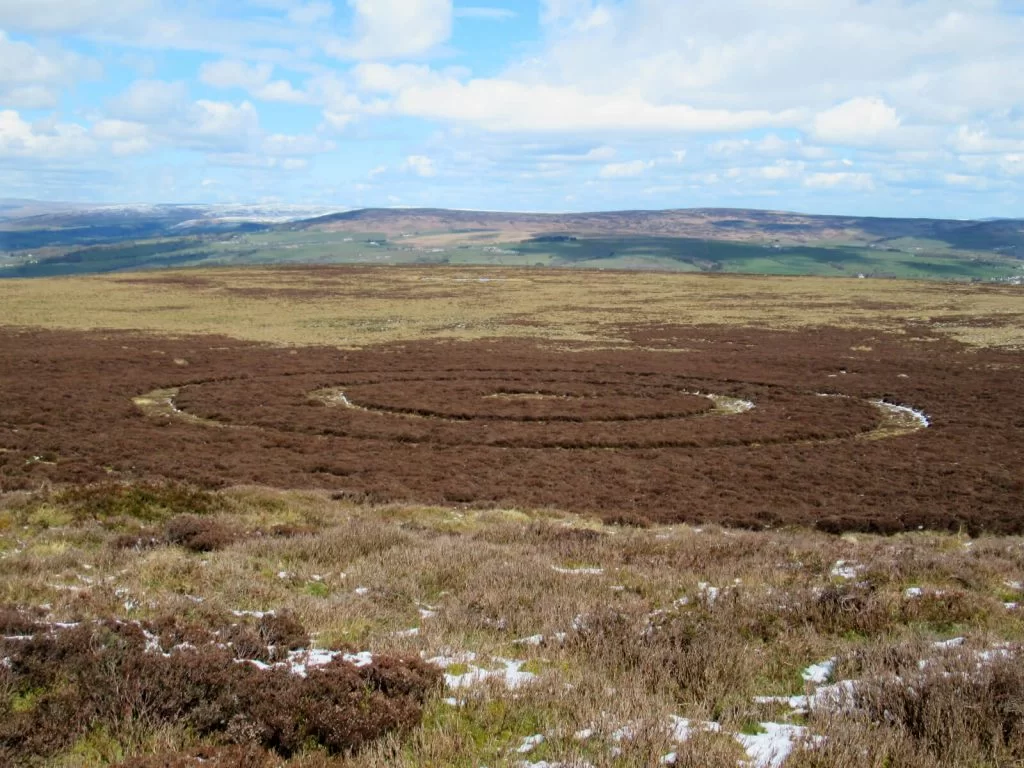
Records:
x=857, y=181
x=420, y=165
x=253, y=78
x=288, y=145
x=311, y=13
x=30, y=97
x=31, y=78
x=783, y=169
x=487, y=14
x=388, y=29
x=964, y=180
x=601, y=154
x=150, y=100
x=126, y=147
x=282, y=91
x=503, y=105
x=68, y=15
x=597, y=18
x=555, y=11
x=257, y=161
x=628, y=170
x=980, y=141
x=1012, y=165
x=229, y=73
x=215, y=124
x=41, y=141
x=125, y=137
x=337, y=121
x=856, y=122
x=119, y=130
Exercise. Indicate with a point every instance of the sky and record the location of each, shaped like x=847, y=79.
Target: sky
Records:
x=862, y=107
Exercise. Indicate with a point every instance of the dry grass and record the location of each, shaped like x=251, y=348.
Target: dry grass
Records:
x=643, y=639
x=359, y=306
x=613, y=629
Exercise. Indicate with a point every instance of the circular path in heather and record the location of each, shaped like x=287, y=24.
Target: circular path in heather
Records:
x=738, y=426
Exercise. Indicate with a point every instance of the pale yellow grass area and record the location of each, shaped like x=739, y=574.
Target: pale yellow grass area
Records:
x=615, y=627
x=362, y=306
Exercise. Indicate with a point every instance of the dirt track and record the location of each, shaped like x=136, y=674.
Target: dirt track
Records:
x=622, y=434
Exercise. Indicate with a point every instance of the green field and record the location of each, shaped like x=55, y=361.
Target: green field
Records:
x=907, y=258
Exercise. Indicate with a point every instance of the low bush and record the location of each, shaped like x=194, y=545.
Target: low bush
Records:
x=107, y=675
x=150, y=501
x=199, y=534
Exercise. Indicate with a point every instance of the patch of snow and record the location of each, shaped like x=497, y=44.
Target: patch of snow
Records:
x=846, y=570
x=819, y=673
x=583, y=571
x=771, y=748
x=283, y=575
x=681, y=728
x=708, y=592
x=835, y=698
x=918, y=416
x=412, y=632
x=254, y=614
x=531, y=640
x=362, y=590
x=427, y=613
x=465, y=657
x=361, y=659
x=530, y=743
x=954, y=642
x=510, y=673
x=800, y=703
x=584, y=734
x=913, y=592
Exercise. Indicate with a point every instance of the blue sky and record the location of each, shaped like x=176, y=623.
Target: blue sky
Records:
x=873, y=107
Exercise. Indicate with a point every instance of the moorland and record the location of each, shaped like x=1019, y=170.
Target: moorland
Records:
x=441, y=515
x=37, y=240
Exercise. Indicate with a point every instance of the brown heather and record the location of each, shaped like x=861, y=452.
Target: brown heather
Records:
x=532, y=480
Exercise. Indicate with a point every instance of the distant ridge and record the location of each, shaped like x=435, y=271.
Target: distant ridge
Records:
x=736, y=225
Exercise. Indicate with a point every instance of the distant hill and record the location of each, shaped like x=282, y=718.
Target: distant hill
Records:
x=44, y=239
x=734, y=225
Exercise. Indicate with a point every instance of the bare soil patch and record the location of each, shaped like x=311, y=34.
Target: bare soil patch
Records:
x=623, y=431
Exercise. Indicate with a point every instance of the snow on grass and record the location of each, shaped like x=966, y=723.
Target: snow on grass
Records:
x=681, y=728
x=708, y=592
x=819, y=673
x=507, y=671
x=844, y=569
x=771, y=747
x=530, y=743
x=912, y=414
x=300, y=662
x=581, y=571
x=531, y=640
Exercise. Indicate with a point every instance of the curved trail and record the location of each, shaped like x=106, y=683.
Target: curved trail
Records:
x=894, y=420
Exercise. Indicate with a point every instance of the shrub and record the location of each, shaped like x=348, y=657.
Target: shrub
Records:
x=199, y=534
x=149, y=502
x=102, y=675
